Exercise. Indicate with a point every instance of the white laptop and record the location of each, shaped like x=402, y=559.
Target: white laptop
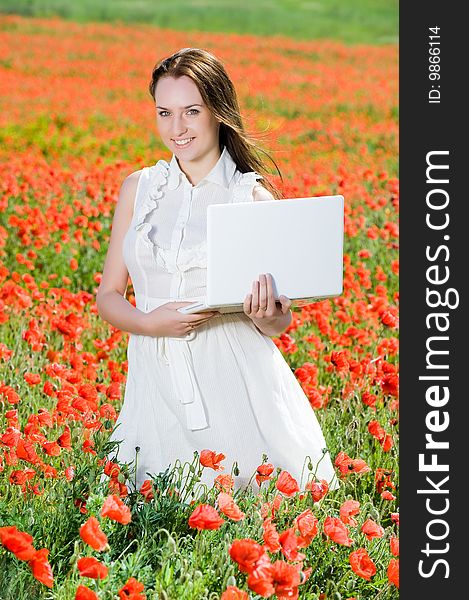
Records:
x=299, y=241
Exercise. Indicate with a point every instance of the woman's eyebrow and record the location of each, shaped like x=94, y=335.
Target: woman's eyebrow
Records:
x=162, y=107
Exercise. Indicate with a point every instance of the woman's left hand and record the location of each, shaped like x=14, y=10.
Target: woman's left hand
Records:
x=271, y=317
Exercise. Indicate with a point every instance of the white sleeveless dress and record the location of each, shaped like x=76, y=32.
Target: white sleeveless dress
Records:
x=225, y=387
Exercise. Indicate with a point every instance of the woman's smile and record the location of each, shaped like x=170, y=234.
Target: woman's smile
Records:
x=183, y=142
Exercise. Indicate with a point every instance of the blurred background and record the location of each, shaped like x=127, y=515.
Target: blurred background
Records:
x=352, y=21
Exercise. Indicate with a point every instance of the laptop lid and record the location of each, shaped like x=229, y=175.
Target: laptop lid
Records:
x=299, y=241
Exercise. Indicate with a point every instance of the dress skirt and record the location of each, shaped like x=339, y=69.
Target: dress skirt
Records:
x=226, y=387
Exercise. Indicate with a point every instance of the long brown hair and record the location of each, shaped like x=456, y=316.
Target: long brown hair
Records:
x=219, y=94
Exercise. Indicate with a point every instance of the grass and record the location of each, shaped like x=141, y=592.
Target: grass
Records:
x=351, y=21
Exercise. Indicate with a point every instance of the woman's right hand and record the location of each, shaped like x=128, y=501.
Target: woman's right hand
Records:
x=167, y=321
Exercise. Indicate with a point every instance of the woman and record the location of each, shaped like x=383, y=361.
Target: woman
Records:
x=202, y=381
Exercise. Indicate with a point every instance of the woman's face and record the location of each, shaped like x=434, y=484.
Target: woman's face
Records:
x=181, y=114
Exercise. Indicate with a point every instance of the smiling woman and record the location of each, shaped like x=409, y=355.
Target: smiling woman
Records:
x=191, y=128
x=208, y=381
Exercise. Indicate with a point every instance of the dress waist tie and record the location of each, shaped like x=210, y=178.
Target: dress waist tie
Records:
x=176, y=352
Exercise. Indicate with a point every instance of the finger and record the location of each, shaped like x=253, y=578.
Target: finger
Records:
x=247, y=304
x=262, y=291
x=197, y=316
x=286, y=304
x=204, y=318
x=201, y=321
x=177, y=304
x=271, y=308
x=255, y=296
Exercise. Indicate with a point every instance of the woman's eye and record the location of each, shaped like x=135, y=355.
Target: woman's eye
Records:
x=162, y=113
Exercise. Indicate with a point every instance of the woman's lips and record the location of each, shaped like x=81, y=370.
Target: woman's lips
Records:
x=183, y=145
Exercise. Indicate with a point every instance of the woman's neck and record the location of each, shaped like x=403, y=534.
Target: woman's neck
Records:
x=196, y=170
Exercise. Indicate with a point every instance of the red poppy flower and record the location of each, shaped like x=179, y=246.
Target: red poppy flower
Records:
x=247, y=553
x=9, y=394
x=65, y=440
x=287, y=578
x=394, y=545
x=91, y=567
x=69, y=473
x=80, y=503
x=234, y=593
x=146, y=490
x=372, y=529
x=390, y=384
x=25, y=450
x=131, y=590
x=211, y=460
x=10, y=437
x=361, y=563
x=307, y=373
x=224, y=483
x=120, y=489
x=348, y=509
x=116, y=510
x=84, y=593
x=318, y=489
x=336, y=530
x=261, y=579
x=307, y=525
x=289, y=543
x=389, y=319
x=348, y=465
x=271, y=536
x=286, y=343
x=393, y=571
x=383, y=480
x=364, y=253
x=18, y=542
x=286, y=484
x=228, y=507
x=386, y=495
x=369, y=399
x=264, y=472
x=339, y=360
x=41, y=568
x=376, y=430
x=112, y=469
x=387, y=442
x=48, y=470
x=91, y=534
x=51, y=448
x=205, y=517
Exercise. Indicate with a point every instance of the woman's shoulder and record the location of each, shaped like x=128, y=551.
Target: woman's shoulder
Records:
x=147, y=173
x=247, y=186
x=130, y=183
x=133, y=178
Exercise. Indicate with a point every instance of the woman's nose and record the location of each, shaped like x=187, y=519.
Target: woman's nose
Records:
x=179, y=126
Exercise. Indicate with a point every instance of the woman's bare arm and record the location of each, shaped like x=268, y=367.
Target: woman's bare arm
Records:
x=110, y=298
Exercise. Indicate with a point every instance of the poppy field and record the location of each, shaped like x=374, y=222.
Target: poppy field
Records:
x=75, y=119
